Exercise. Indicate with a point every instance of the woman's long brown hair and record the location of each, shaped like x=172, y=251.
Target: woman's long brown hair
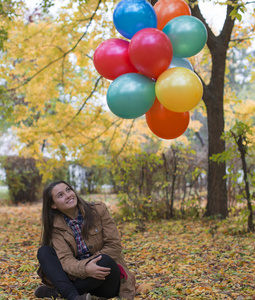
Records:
x=48, y=213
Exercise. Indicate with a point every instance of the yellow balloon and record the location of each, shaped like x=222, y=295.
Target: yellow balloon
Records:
x=179, y=89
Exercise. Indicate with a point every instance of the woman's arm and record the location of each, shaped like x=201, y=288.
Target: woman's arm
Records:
x=70, y=264
x=111, y=241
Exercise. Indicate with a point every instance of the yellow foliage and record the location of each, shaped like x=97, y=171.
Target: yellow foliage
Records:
x=241, y=110
x=195, y=125
x=48, y=63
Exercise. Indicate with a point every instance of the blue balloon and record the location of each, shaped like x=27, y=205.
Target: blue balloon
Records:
x=130, y=16
x=187, y=34
x=181, y=62
x=131, y=95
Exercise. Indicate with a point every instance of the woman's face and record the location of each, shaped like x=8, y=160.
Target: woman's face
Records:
x=65, y=200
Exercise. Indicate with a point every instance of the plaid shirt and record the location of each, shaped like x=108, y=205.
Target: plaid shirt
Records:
x=76, y=225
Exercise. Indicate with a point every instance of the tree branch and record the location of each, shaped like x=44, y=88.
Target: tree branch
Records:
x=62, y=56
x=126, y=140
x=100, y=134
x=111, y=139
x=227, y=29
x=196, y=12
x=84, y=103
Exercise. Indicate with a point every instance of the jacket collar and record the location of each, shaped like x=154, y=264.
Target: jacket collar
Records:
x=59, y=222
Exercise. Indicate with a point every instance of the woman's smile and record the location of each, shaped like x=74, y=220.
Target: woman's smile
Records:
x=65, y=200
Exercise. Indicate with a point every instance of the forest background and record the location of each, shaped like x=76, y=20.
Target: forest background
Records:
x=53, y=107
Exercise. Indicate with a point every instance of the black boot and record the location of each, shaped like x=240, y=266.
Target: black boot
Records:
x=43, y=291
x=84, y=297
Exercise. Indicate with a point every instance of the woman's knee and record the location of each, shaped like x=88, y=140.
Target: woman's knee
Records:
x=44, y=252
x=106, y=261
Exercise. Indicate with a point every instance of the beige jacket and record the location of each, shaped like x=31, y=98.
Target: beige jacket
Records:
x=103, y=238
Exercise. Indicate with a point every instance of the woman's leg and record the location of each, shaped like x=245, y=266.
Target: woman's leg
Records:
x=53, y=270
x=107, y=288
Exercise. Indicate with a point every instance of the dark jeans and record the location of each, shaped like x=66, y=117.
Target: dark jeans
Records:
x=52, y=268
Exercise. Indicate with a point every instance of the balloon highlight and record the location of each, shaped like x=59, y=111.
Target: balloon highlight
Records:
x=166, y=124
x=187, y=34
x=131, y=95
x=150, y=51
x=111, y=59
x=166, y=10
x=130, y=16
x=179, y=89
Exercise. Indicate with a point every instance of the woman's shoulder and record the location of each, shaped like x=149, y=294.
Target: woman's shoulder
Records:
x=99, y=206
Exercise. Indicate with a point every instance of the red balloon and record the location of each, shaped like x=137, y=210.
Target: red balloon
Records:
x=150, y=51
x=166, y=10
x=165, y=123
x=111, y=59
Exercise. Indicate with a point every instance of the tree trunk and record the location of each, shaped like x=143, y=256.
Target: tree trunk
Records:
x=175, y=166
x=217, y=200
x=216, y=184
x=213, y=97
x=243, y=151
x=168, y=209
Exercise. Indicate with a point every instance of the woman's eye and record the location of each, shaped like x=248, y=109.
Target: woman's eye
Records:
x=60, y=195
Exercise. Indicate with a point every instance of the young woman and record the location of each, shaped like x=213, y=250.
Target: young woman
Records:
x=81, y=249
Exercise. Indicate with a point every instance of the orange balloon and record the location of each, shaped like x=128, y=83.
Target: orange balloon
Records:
x=166, y=10
x=165, y=123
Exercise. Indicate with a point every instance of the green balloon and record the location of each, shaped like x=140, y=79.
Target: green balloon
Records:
x=131, y=95
x=187, y=34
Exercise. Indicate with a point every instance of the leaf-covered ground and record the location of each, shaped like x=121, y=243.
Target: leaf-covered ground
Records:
x=171, y=259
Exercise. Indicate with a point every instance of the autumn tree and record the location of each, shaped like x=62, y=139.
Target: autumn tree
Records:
x=214, y=101
x=48, y=64
x=213, y=98
x=9, y=11
x=60, y=113
x=241, y=146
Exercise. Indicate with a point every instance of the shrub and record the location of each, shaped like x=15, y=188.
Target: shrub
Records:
x=22, y=178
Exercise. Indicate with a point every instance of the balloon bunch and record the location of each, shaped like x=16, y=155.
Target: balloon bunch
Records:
x=151, y=73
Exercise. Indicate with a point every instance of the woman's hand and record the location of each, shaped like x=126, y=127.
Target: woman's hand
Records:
x=95, y=271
